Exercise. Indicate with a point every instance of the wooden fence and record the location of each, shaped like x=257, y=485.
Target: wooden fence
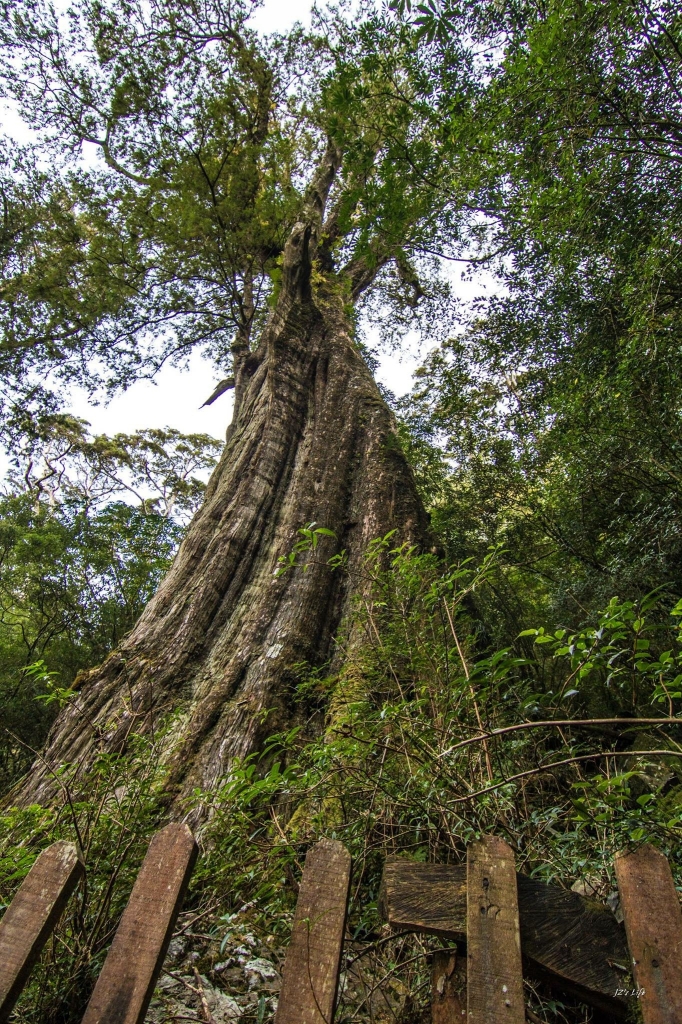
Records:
x=502, y=924
x=124, y=988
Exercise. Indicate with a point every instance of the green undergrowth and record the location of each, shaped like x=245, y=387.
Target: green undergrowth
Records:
x=425, y=747
x=111, y=819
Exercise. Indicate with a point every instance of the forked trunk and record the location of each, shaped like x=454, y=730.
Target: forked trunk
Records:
x=311, y=440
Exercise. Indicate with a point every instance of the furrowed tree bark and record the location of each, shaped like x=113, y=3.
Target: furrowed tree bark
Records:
x=311, y=440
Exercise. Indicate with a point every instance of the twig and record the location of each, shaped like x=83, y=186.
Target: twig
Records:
x=198, y=990
x=275, y=819
x=533, y=1017
x=197, y=917
x=65, y=789
x=373, y=946
x=205, y=1008
x=488, y=762
x=559, y=723
x=183, y=981
x=560, y=764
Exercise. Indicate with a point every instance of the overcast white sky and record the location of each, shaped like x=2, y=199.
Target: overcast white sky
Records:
x=174, y=399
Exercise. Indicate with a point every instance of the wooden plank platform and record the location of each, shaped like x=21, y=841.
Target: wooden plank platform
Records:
x=569, y=940
x=32, y=915
x=653, y=922
x=125, y=986
x=313, y=961
x=494, y=970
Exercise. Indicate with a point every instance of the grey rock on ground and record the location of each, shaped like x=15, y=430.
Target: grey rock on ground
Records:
x=177, y=996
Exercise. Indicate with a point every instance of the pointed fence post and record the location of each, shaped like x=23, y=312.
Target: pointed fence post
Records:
x=494, y=972
x=32, y=915
x=653, y=923
x=311, y=969
x=134, y=961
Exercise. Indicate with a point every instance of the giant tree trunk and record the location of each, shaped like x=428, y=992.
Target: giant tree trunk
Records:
x=311, y=439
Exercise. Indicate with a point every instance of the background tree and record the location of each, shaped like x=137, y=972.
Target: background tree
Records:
x=559, y=402
x=88, y=526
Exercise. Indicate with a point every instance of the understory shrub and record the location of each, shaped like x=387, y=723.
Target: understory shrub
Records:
x=424, y=747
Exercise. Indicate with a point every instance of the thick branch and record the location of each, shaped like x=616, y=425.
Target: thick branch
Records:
x=318, y=190
x=408, y=275
x=301, y=246
x=361, y=273
x=112, y=162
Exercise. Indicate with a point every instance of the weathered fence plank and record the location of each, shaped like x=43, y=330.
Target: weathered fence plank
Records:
x=653, y=922
x=32, y=915
x=573, y=942
x=427, y=898
x=494, y=971
x=448, y=987
x=125, y=986
x=313, y=961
